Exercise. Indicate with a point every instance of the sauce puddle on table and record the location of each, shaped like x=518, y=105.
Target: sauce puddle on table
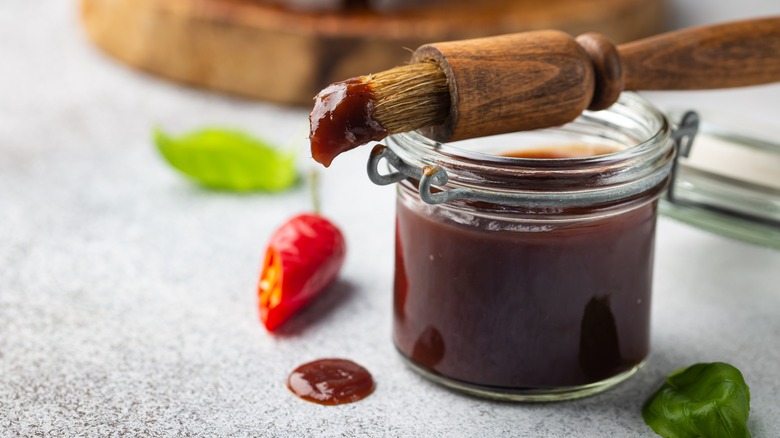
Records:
x=331, y=382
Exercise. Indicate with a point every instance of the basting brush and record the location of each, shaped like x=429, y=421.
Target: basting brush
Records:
x=473, y=88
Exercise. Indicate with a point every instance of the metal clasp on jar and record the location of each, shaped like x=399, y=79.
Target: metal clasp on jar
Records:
x=683, y=137
x=427, y=176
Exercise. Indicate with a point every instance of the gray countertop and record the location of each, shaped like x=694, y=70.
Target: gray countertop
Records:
x=127, y=294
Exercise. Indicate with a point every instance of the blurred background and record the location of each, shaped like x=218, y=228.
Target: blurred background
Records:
x=287, y=50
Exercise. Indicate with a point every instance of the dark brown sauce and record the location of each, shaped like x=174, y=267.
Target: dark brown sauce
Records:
x=567, y=306
x=342, y=119
x=564, y=151
x=331, y=382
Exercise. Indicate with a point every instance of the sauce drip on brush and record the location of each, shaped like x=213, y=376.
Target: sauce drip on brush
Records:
x=350, y=113
x=343, y=119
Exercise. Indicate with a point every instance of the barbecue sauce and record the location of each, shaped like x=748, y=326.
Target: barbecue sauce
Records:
x=331, y=382
x=574, y=150
x=342, y=119
x=564, y=306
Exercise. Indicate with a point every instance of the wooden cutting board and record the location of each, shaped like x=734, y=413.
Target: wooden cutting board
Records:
x=258, y=50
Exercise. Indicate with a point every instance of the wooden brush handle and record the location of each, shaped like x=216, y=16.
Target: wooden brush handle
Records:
x=540, y=79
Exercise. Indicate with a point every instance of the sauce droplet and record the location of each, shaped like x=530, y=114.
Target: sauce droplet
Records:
x=331, y=382
x=342, y=119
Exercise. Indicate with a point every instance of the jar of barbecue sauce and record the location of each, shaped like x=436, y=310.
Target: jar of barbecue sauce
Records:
x=524, y=262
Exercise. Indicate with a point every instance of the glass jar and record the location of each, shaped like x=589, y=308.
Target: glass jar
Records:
x=529, y=278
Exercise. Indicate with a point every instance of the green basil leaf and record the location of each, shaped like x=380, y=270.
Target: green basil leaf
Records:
x=229, y=160
x=704, y=400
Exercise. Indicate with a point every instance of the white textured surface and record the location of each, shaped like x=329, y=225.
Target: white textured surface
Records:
x=127, y=302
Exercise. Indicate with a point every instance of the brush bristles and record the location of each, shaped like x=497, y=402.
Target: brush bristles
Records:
x=410, y=97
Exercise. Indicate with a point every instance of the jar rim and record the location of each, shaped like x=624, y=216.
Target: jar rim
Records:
x=633, y=122
x=627, y=99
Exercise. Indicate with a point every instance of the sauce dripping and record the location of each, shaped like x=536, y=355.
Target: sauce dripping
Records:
x=342, y=119
x=331, y=382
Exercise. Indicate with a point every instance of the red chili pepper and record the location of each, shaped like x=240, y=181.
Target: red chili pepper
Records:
x=303, y=257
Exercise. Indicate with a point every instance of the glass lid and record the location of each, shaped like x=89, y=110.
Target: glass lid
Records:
x=728, y=180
